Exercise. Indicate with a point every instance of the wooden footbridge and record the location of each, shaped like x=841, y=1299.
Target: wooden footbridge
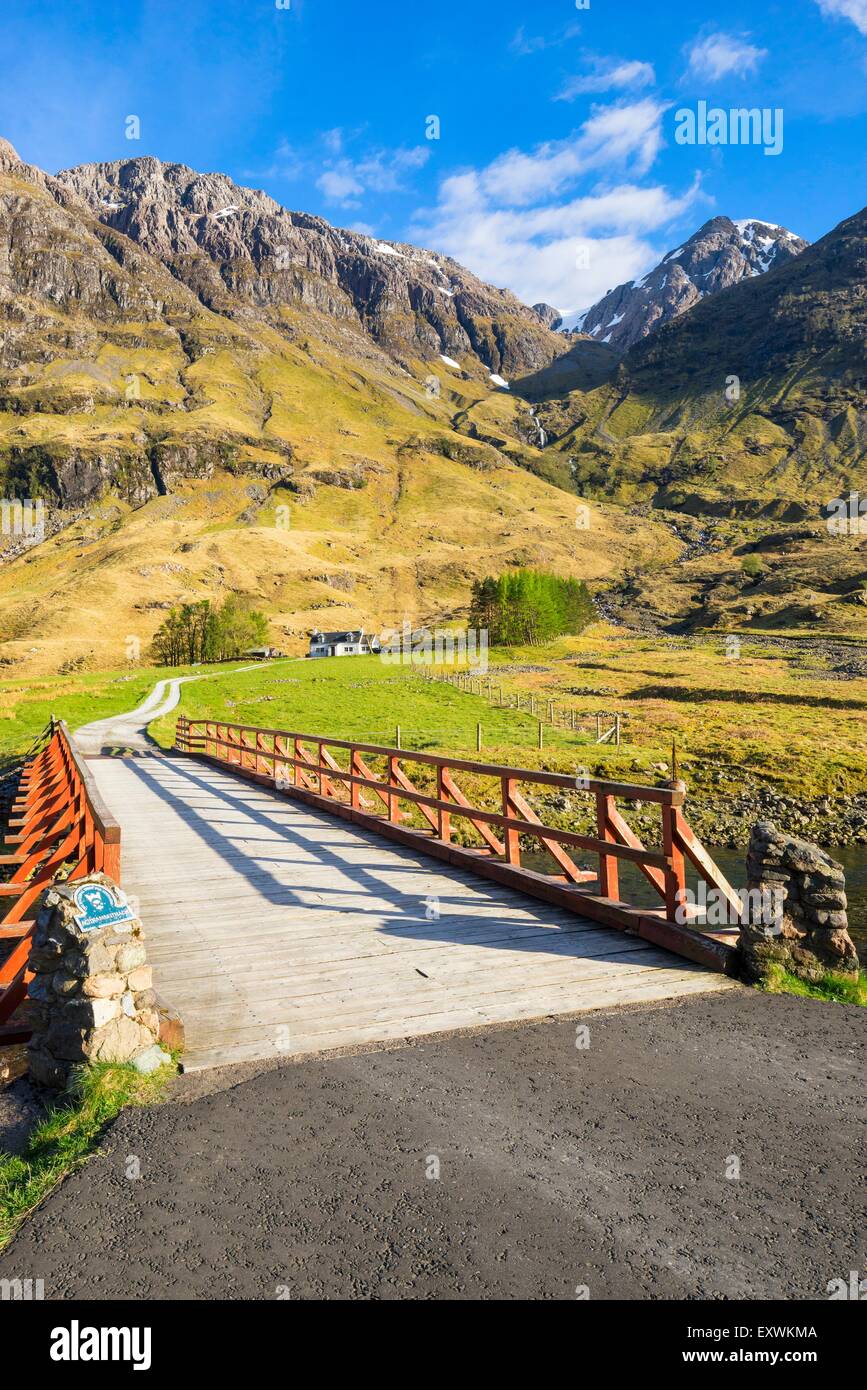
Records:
x=301, y=893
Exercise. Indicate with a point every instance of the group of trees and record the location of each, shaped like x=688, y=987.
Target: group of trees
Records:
x=526, y=607
x=203, y=632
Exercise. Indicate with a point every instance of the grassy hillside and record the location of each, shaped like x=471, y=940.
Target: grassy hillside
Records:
x=750, y=404
x=183, y=453
x=280, y=451
x=407, y=543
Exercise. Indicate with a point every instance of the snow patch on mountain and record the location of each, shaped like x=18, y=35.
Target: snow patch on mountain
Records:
x=718, y=255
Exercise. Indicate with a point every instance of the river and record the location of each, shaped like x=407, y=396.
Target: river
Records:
x=634, y=887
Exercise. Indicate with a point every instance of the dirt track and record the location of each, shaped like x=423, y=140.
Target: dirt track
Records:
x=558, y=1167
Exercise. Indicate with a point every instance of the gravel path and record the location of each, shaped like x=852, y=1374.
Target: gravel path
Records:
x=129, y=728
x=558, y=1167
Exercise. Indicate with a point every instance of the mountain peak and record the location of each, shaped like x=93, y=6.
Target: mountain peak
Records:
x=721, y=253
x=233, y=245
x=9, y=156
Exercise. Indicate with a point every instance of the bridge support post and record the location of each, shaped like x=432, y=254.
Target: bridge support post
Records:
x=444, y=819
x=675, y=876
x=795, y=917
x=354, y=788
x=510, y=837
x=609, y=885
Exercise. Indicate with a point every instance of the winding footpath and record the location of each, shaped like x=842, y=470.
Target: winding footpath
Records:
x=129, y=730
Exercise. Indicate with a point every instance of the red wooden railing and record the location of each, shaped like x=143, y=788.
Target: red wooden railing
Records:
x=59, y=822
x=305, y=766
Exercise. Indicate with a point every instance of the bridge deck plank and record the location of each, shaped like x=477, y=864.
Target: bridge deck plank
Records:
x=277, y=930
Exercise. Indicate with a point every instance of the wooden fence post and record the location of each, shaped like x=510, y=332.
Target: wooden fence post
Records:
x=510, y=837
x=675, y=876
x=609, y=886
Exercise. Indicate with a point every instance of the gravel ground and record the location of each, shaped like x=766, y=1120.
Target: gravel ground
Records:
x=558, y=1167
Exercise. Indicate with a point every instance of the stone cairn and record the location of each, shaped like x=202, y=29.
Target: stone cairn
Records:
x=92, y=996
x=809, y=934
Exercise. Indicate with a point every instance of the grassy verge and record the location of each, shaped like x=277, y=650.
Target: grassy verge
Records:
x=840, y=989
x=69, y=1134
x=79, y=698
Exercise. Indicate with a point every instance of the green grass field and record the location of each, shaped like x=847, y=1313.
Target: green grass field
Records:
x=773, y=717
x=363, y=698
x=27, y=705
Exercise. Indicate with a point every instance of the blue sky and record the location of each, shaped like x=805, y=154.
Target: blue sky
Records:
x=556, y=171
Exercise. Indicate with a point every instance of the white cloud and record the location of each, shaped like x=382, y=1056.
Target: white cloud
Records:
x=718, y=55
x=524, y=44
x=346, y=180
x=339, y=184
x=609, y=75
x=610, y=137
x=856, y=10
x=521, y=222
x=286, y=164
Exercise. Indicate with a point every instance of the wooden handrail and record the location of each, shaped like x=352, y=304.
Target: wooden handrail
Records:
x=105, y=822
x=60, y=821
x=406, y=792
x=629, y=791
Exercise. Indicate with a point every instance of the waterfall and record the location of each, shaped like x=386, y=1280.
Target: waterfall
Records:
x=541, y=436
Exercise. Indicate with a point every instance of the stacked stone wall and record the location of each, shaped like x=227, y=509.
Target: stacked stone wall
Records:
x=809, y=934
x=92, y=997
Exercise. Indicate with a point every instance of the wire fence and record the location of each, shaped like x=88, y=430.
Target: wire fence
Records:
x=606, y=727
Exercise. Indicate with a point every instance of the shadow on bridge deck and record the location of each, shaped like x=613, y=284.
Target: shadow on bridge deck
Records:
x=278, y=930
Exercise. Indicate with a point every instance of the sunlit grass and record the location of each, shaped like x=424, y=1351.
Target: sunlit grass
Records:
x=840, y=989
x=69, y=1134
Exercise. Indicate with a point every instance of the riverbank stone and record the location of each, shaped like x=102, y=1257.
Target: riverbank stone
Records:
x=809, y=933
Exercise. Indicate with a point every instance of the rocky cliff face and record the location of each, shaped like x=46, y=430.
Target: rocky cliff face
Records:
x=236, y=247
x=146, y=312
x=551, y=317
x=720, y=254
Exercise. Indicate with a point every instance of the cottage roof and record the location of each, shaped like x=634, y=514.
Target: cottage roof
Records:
x=329, y=638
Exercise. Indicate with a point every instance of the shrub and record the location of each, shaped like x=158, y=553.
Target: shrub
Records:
x=527, y=607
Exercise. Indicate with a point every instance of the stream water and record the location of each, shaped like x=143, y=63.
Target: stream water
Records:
x=634, y=887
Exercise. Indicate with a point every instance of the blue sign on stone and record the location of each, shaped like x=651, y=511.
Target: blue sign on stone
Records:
x=97, y=907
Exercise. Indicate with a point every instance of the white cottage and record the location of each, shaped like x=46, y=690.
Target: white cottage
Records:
x=356, y=642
